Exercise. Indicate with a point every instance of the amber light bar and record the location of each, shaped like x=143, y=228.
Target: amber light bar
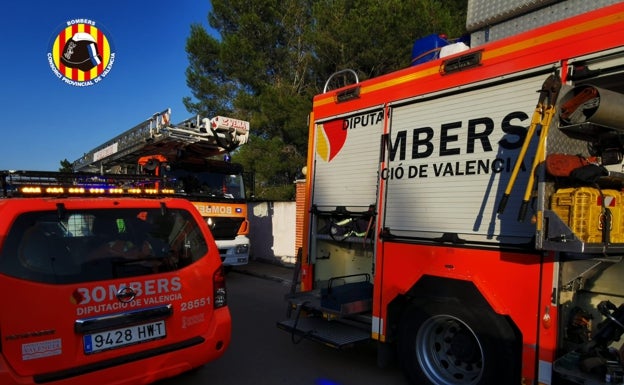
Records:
x=31, y=190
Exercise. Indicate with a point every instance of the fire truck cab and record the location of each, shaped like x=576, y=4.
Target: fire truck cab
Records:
x=193, y=158
x=465, y=212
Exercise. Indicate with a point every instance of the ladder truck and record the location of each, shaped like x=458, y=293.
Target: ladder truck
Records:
x=465, y=214
x=193, y=159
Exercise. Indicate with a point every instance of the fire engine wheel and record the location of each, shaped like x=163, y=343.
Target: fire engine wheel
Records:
x=444, y=344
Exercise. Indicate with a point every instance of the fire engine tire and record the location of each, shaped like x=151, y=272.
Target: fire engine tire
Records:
x=451, y=343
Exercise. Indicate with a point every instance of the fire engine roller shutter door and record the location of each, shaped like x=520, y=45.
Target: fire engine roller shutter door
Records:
x=347, y=159
x=460, y=148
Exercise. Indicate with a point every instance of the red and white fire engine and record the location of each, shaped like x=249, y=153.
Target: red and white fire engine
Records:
x=466, y=212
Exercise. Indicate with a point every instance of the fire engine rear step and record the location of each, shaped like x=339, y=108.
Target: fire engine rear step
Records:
x=344, y=323
x=335, y=334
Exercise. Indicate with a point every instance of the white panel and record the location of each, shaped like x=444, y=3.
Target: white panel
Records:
x=459, y=193
x=349, y=178
x=284, y=215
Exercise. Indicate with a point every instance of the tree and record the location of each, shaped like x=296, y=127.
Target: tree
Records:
x=66, y=166
x=375, y=37
x=259, y=70
x=273, y=56
x=274, y=165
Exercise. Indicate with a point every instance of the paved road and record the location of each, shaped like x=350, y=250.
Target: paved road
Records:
x=262, y=354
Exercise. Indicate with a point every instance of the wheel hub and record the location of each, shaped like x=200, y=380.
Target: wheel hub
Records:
x=449, y=352
x=465, y=347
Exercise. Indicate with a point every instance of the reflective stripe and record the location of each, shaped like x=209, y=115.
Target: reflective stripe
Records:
x=377, y=328
x=544, y=373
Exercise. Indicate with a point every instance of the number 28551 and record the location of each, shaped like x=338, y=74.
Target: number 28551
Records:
x=195, y=303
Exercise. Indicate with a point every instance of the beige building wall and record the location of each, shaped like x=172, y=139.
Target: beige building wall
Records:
x=273, y=231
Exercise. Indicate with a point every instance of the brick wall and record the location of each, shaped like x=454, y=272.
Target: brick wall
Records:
x=300, y=212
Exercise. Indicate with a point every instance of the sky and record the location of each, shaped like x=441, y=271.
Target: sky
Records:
x=45, y=120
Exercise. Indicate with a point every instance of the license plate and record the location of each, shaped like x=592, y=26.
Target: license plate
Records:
x=117, y=338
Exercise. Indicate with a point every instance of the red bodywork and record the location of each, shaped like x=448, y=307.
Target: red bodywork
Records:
x=516, y=284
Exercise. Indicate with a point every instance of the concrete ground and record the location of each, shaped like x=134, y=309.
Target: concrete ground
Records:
x=267, y=270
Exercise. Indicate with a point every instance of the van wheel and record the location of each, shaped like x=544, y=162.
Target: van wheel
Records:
x=451, y=344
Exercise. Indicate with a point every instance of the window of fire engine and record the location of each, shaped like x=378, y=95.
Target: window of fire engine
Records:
x=209, y=183
x=94, y=245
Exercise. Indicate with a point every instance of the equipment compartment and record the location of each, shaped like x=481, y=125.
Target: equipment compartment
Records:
x=572, y=209
x=348, y=297
x=580, y=215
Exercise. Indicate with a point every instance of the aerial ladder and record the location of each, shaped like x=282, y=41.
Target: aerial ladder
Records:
x=193, y=138
x=193, y=159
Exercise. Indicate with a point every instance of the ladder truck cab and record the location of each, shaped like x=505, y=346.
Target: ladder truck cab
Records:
x=467, y=213
x=193, y=159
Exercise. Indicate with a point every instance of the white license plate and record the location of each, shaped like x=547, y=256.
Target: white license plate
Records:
x=117, y=338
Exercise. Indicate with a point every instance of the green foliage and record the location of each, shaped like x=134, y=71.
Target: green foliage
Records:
x=273, y=56
x=213, y=90
x=274, y=166
x=66, y=166
x=375, y=37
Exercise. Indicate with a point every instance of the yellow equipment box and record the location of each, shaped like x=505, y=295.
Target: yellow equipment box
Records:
x=582, y=209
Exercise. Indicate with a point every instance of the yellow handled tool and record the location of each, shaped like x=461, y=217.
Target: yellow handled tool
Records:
x=542, y=117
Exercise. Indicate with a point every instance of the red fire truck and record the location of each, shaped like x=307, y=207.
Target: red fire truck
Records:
x=193, y=158
x=465, y=212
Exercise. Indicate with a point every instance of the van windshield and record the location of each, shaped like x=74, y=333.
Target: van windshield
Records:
x=90, y=245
